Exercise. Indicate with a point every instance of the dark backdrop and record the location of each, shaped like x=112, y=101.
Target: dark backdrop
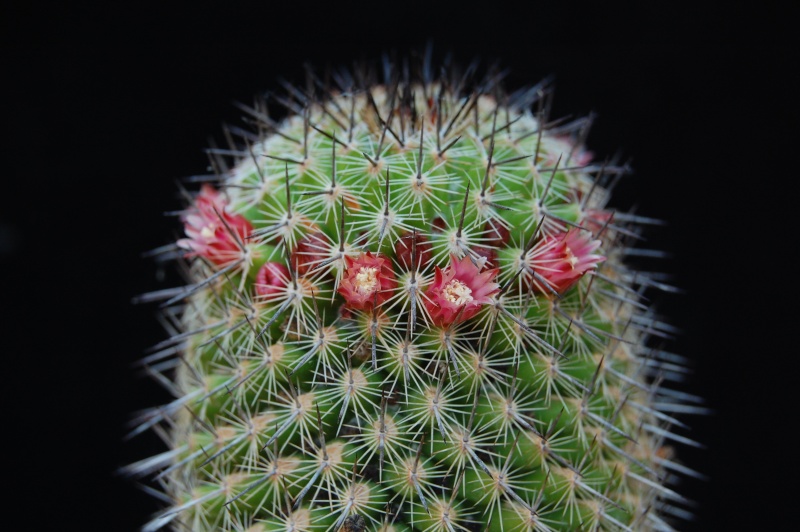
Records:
x=105, y=107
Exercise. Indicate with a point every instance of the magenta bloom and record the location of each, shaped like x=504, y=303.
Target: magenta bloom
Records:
x=458, y=291
x=207, y=235
x=562, y=259
x=271, y=279
x=368, y=280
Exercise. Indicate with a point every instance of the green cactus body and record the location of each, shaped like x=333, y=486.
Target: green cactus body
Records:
x=407, y=302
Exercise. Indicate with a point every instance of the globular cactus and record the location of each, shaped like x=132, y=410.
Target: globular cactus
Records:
x=408, y=308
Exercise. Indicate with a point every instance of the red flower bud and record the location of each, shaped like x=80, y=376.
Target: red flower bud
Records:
x=271, y=279
x=309, y=252
x=496, y=235
x=403, y=251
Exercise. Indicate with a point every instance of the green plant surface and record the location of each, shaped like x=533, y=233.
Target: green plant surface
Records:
x=408, y=302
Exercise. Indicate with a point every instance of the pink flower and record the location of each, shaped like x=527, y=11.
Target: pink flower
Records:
x=458, y=291
x=367, y=281
x=562, y=259
x=207, y=235
x=271, y=279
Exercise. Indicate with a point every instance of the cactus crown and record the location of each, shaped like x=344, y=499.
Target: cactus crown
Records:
x=407, y=309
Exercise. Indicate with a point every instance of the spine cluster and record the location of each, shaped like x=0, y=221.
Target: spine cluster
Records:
x=407, y=308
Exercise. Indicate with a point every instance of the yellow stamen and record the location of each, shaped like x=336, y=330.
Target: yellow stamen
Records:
x=366, y=279
x=208, y=231
x=571, y=258
x=457, y=292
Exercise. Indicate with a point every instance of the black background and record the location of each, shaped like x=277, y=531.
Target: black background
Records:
x=106, y=106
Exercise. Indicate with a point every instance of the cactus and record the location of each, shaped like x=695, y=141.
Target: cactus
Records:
x=408, y=308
